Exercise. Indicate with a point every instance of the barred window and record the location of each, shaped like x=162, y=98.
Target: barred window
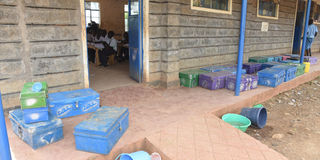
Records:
x=268, y=9
x=92, y=12
x=218, y=6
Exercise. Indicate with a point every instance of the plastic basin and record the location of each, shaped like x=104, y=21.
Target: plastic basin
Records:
x=237, y=121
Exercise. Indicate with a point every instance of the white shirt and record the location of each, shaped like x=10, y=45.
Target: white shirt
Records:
x=99, y=45
x=113, y=43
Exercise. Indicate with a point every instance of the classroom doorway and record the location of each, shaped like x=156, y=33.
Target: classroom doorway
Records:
x=299, y=27
x=124, y=19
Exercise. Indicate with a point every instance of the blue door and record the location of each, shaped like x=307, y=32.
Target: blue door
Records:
x=135, y=39
x=298, y=28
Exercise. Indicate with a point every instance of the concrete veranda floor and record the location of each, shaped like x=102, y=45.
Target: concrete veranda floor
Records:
x=113, y=76
x=180, y=124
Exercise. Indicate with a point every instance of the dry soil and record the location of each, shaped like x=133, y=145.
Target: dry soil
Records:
x=293, y=126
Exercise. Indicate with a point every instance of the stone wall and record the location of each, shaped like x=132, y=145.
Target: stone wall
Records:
x=39, y=41
x=181, y=38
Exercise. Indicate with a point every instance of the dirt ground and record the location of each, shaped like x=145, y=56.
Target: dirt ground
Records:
x=293, y=126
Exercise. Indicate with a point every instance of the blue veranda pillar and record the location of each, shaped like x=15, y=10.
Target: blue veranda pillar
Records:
x=4, y=143
x=306, y=24
x=241, y=45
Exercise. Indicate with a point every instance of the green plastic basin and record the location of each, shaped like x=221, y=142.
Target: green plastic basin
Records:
x=237, y=121
x=258, y=106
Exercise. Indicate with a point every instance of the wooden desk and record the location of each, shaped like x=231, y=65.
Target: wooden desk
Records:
x=97, y=61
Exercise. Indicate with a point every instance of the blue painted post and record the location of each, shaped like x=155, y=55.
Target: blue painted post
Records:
x=4, y=143
x=306, y=24
x=241, y=45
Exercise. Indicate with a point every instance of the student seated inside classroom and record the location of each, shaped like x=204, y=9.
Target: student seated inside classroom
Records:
x=111, y=45
x=124, y=52
x=99, y=41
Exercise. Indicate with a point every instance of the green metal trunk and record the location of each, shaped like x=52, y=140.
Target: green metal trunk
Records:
x=258, y=59
x=300, y=68
x=30, y=99
x=190, y=78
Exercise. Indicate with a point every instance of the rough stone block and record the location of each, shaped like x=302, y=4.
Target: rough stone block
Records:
x=11, y=85
x=49, y=33
x=9, y=15
x=172, y=66
x=54, y=49
x=158, y=44
x=158, y=20
x=158, y=8
x=158, y=32
x=171, y=55
x=8, y=2
x=154, y=67
x=51, y=16
x=10, y=51
x=155, y=55
x=55, y=65
x=59, y=79
x=10, y=33
x=72, y=4
x=11, y=68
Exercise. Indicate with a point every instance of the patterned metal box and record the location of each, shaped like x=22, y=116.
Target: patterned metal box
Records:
x=213, y=80
x=190, y=78
x=271, y=77
x=72, y=103
x=252, y=68
x=258, y=59
x=102, y=130
x=36, y=134
x=248, y=82
x=35, y=115
x=290, y=71
x=312, y=60
x=30, y=99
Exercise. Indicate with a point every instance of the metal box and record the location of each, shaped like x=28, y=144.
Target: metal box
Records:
x=102, y=130
x=35, y=115
x=30, y=99
x=252, y=68
x=312, y=60
x=36, y=134
x=72, y=103
x=190, y=78
x=258, y=59
x=213, y=80
x=271, y=77
x=290, y=71
x=247, y=82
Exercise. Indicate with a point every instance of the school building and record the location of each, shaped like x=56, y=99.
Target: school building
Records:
x=45, y=40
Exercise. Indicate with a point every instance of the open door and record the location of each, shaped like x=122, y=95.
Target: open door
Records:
x=298, y=27
x=135, y=39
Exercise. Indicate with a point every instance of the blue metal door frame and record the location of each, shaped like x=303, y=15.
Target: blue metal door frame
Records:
x=136, y=41
x=306, y=23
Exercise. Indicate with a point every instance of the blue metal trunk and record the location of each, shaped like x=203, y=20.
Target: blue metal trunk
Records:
x=271, y=77
x=72, y=103
x=35, y=115
x=36, y=134
x=102, y=130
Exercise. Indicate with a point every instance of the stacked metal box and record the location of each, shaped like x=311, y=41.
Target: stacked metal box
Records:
x=290, y=71
x=247, y=82
x=312, y=60
x=213, y=80
x=33, y=99
x=190, y=78
x=258, y=59
x=268, y=65
x=277, y=58
x=252, y=68
x=271, y=77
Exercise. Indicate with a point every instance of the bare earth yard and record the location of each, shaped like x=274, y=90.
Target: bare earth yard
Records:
x=293, y=126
